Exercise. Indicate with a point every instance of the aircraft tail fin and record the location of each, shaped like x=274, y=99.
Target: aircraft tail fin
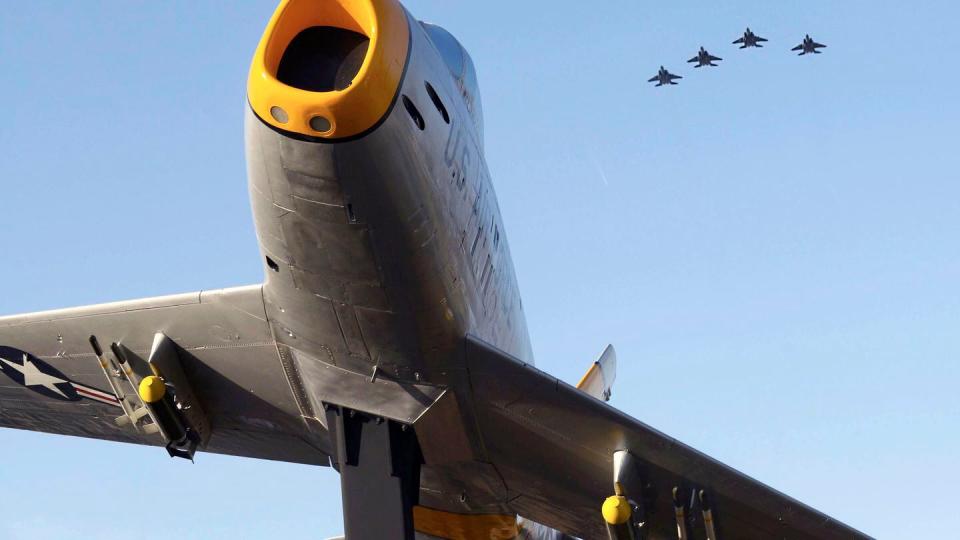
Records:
x=598, y=381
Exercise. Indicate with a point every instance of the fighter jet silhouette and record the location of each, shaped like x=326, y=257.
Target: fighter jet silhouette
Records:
x=808, y=46
x=749, y=39
x=664, y=77
x=704, y=58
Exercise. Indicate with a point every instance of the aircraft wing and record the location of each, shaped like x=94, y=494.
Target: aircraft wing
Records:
x=694, y=59
x=762, y=39
x=797, y=48
x=52, y=380
x=653, y=79
x=818, y=45
x=739, y=41
x=715, y=58
x=672, y=76
x=553, y=446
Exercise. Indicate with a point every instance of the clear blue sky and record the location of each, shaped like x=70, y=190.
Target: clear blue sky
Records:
x=771, y=246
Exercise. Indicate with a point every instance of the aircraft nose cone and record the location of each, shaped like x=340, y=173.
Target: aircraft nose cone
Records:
x=329, y=69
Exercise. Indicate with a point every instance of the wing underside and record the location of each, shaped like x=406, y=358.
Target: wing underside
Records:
x=53, y=382
x=553, y=446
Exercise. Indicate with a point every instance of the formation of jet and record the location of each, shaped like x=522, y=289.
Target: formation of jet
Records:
x=749, y=39
x=664, y=77
x=808, y=46
x=704, y=58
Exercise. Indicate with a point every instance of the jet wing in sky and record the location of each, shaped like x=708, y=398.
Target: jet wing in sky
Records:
x=554, y=446
x=53, y=382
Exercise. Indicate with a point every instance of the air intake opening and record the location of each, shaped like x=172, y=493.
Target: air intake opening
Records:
x=323, y=59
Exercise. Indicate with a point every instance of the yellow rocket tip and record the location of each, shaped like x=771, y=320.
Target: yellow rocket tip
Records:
x=616, y=510
x=152, y=389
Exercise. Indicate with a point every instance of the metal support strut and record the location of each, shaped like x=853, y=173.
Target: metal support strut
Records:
x=624, y=511
x=379, y=463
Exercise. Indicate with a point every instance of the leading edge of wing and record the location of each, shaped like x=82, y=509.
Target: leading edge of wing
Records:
x=554, y=447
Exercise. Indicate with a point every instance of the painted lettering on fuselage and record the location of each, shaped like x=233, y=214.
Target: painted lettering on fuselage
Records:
x=470, y=192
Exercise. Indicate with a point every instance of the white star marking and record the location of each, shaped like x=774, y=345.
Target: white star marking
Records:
x=34, y=377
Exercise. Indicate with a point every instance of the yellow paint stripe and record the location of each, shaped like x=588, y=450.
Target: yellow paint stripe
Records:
x=464, y=526
x=583, y=380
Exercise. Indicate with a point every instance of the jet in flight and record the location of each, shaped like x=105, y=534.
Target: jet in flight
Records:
x=808, y=46
x=704, y=58
x=388, y=338
x=664, y=77
x=750, y=39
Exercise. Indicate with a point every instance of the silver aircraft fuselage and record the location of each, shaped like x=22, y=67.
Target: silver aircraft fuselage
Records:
x=384, y=250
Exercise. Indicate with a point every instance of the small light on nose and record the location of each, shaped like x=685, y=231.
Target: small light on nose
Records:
x=279, y=114
x=320, y=124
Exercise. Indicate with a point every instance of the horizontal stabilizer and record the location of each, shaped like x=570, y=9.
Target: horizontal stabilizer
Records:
x=598, y=381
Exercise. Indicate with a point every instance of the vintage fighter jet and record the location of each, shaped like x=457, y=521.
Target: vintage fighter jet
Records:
x=664, y=77
x=808, y=46
x=388, y=339
x=704, y=58
x=749, y=39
